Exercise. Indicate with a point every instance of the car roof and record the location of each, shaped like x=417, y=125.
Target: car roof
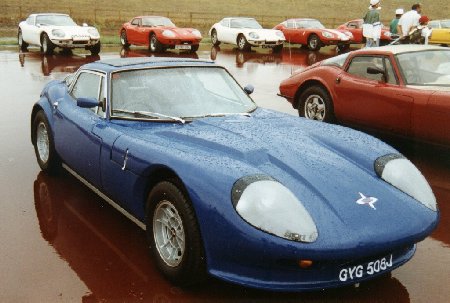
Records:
x=118, y=64
x=303, y=19
x=403, y=48
x=47, y=14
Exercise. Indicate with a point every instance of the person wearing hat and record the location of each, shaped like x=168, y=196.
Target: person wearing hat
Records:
x=372, y=24
x=394, y=23
x=408, y=21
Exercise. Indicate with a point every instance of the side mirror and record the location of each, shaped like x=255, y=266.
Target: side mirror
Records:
x=87, y=102
x=376, y=71
x=249, y=89
x=85, y=24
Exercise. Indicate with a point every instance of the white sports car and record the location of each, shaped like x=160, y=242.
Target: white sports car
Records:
x=49, y=31
x=245, y=33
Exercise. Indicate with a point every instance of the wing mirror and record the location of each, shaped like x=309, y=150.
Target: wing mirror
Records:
x=88, y=102
x=376, y=71
x=249, y=89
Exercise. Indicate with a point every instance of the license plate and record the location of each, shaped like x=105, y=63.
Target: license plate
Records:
x=80, y=38
x=182, y=46
x=365, y=270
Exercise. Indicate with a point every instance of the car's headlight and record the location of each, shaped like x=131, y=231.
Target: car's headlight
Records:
x=279, y=34
x=402, y=174
x=197, y=33
x=327, y=35
x=58, y=33
x=93, y=32
x=168, y=33
x=253, y=35
x=269, y=206
x=349, y=34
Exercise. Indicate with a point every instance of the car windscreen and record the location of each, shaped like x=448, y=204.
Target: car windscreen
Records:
x=160, y=21
x=245, y=23
x=445, y=24
x=338, y=61
x=430, y=67
x=58, y=20
x=309, y=24
x=184, y=92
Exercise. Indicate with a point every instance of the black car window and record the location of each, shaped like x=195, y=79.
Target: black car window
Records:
x=87, y=86
x=135, y=22
x=358, y=67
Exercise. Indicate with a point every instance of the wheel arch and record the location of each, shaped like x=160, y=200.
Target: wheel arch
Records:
x=44, y=106
x=305, y=85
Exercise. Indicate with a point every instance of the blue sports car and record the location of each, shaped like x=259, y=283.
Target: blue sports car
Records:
x=225, y=188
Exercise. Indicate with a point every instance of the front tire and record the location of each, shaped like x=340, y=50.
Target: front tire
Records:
x=124, y=39
x=194, y=48
x=23, y=46
x=242, y=43
x=278, y=48
x=47, y=45
x=315, y=104
x=44, y=146
x=154, y=45
x=314, y=42
x=95, y=49
x=174, y=236
x=214, y=39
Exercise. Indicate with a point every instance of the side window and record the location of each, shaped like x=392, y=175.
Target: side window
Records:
x=225, y=22
x=100, y=111
x=358, y=67
x=135, y=22
x=30, y=20
x=390, y=72
x=290, y=24
x=352, y=25
x=87, y=86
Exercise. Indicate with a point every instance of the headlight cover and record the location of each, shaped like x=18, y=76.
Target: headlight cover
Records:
x=402, y=174
x=197, y=33
x=168, y=33
x=271, y=207
x=327, y=35
x=93, y=32
x=58, y=33
x=253, y=35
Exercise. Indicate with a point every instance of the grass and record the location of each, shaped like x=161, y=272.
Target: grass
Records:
x=109, y=15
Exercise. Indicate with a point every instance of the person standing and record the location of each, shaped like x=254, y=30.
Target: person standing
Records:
x=408, y=21
x=372, y=24
x=394, y=23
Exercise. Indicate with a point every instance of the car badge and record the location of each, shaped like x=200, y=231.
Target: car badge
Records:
x=367, y=201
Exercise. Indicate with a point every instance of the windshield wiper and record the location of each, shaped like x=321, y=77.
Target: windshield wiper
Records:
x=148, y=114
x=221, y=115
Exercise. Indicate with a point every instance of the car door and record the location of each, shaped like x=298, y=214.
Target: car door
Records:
x=225, y=32
x=75, y=140
x=134, y=31
x=370, y=101
x=437, y=119
x=32, y=31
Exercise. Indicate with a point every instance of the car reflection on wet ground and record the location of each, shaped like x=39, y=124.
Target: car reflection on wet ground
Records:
x=61, y=242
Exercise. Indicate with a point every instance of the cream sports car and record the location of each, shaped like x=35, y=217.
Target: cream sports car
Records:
x=50, y=30
x=245, y=33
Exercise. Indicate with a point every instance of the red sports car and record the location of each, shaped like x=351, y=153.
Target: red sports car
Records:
x=400, y=89
x=311, y=33
x=158, y=34
x=355, y=27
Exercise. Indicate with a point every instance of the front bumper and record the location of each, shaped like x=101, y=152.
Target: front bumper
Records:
x=265, y=43
x=287, y=275
x=71, y=43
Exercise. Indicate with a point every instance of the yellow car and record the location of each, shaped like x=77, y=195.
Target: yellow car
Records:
x=441, y=32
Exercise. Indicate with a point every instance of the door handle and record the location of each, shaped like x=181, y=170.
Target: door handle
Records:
x=55, y=104
x=125, y=160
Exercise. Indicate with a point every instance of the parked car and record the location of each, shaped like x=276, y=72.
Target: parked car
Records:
x=313, y=34
x=440, y=33
x=355, y=27
x=398, y=89
x=245, y=33
x=159, y=34
x=50, y=30
x=248, y=195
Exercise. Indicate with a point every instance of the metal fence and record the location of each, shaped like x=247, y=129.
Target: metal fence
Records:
x=11, y=15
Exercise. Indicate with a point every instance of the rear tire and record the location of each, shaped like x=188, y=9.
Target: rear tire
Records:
x=194, y=48
x=154, y=45
x=47, y=45
x=44, y=146
x=315, y=103
x=124, y=39
x=174, y=236
x=314, y=42
x=23, y=46
x=214, y=39
x=242, y=43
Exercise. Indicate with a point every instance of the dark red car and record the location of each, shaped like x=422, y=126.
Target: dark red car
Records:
x=158, y=34
x=400, y=89
x=312, y=34
x=355, y=27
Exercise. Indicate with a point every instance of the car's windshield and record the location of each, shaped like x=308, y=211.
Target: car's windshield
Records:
x=431, y=67
x=309, y=24
x=157, y=21
x=245, y=23
x=178, y=92
x=445, y=24
x=58, y=20
x=337, y=61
